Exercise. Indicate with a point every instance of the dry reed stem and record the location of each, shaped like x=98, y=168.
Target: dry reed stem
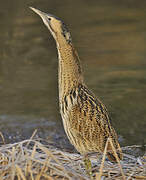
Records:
x=32, y=136
x=117, y=158
x=20, y=173
x=2, y=137
x=98, y=177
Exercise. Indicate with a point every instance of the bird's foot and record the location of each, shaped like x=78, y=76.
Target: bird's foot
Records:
x=88, y=166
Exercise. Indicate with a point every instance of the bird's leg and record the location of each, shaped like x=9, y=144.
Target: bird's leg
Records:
x=88, y=165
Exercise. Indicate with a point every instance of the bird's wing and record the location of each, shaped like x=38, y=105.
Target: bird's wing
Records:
x=88, y=118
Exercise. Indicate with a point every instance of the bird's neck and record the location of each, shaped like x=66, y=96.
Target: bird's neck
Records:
x=70, y=73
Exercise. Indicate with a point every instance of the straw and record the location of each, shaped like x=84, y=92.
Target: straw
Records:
x=34, y=160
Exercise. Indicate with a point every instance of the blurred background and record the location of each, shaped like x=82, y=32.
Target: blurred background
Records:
x=110, y=37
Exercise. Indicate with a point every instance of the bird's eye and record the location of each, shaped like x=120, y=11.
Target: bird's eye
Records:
x=49, y=19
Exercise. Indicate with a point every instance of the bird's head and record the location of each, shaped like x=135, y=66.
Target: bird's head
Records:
x=55, y=25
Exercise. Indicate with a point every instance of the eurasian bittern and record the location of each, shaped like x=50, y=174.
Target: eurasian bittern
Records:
x=85, y=118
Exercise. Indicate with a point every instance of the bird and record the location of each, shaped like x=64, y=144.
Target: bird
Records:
x=85, y=118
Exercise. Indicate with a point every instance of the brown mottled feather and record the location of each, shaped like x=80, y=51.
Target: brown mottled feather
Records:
x=88, y=122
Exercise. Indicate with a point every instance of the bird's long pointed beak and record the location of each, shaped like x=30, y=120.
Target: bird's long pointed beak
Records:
x=40, y=13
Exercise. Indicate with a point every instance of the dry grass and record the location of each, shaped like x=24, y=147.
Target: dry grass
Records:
x=32, y=160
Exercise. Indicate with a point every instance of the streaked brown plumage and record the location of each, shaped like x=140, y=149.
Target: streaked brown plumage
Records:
x=85, y=118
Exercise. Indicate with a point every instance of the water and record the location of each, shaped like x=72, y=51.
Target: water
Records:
x=110, y=37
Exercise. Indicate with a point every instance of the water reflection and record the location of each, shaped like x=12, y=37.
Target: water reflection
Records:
x=110, y=38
